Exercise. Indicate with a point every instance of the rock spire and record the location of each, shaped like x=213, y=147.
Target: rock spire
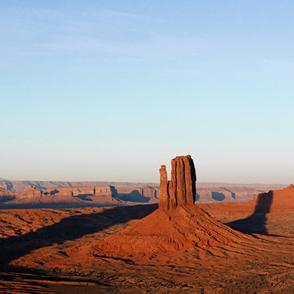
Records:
x=181, y=189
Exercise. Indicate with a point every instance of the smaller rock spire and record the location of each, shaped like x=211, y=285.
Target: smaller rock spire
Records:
x=163, y=189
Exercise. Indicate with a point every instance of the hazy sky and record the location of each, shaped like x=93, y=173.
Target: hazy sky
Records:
x=109, y=90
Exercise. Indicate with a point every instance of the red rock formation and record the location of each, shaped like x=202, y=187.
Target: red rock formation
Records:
x=275, y=200
x=105, y=190
x=164, y=199
x=151, y=192
x=30, y=193
x=181, y=190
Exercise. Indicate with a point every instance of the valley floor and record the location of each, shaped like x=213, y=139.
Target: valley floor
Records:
x=54, y=251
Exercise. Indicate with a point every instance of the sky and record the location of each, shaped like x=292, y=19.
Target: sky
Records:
x=110, y=90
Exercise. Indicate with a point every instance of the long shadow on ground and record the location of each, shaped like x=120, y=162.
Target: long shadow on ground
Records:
x=70, y=228
x=256, y=222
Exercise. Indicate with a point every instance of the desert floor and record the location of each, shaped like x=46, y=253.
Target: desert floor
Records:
x=53, y=251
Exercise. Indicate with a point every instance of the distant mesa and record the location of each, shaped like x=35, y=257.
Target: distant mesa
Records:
x=6, y=195
x=16, y=194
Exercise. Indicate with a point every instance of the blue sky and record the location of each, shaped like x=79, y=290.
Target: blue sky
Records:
x=109, y=90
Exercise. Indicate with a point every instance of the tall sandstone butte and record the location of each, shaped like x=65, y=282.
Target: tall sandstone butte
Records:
x=181, y=189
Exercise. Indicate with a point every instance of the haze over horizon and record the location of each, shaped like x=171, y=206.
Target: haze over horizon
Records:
x=110, y=90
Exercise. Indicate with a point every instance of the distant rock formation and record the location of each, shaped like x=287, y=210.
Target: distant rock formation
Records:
x=79, y=191
x=106, y=190
x=31, y=192
x=181, y=189
x=136, y=193
x=6, y=195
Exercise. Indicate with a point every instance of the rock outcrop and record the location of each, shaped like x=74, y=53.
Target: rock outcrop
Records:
x=5, y=195
x=275, y=201
x=177, y=230
x=181, y=189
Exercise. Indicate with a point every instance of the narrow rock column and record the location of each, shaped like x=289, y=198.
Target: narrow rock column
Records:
x=163, y=188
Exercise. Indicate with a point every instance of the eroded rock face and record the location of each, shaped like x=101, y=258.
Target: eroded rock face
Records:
x=181, y=189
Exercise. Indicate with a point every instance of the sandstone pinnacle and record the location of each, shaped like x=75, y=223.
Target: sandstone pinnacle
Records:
x=181, y=189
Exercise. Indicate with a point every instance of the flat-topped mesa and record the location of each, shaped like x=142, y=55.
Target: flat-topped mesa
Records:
x=181, y=189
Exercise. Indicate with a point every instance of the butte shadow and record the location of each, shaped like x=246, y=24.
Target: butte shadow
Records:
x=256, y=222
x=67, y=229
x=276, y=203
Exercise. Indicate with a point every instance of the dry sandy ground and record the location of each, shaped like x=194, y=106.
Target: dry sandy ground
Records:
x=139, y=249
